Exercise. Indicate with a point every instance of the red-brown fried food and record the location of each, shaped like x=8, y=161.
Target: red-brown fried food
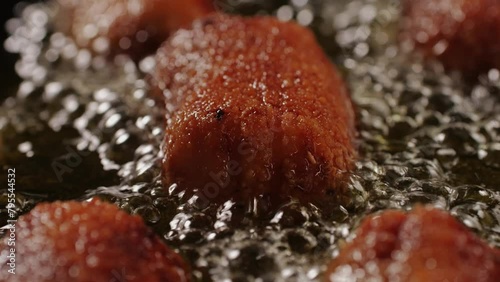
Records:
x=92, y=241
x=464, y=35
x=255, y=108
x=134, y=27
x=424, y=245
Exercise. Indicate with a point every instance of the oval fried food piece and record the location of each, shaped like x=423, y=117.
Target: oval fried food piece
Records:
x=463, y=35
x=134, y=27
x=254, y=109
x=89, y=241
x=425, y=244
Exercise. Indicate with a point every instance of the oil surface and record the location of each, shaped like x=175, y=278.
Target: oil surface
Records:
x=80, y=127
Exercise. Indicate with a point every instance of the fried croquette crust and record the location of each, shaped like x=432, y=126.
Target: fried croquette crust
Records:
x=89, y=241
x=254, y=109
x=425, y=244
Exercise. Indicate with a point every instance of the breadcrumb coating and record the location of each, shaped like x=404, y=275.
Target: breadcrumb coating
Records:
x=425, y=244
x=254, y=109
x=89, y=241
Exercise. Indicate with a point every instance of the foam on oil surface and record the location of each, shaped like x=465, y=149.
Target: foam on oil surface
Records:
x=80, y=127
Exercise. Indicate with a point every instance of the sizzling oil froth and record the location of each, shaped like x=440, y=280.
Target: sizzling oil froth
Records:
x=425, y=136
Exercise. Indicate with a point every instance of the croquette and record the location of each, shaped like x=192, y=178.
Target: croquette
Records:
x=425, y=244
x=89, y=241
x=134, y=27
x=463, y=35
x=255, y=109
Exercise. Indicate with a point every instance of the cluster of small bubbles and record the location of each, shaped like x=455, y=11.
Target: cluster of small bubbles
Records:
x=298, y=10
x=424, y=137
x=26, y=36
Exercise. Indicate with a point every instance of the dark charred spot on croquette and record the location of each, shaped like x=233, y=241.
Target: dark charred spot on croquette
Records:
x=219, y=114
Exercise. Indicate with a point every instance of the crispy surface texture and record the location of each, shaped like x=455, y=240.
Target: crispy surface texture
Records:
x=90, y=241
x=135, y=27
x=425, y=244
x=464, y=35
x=255, y=108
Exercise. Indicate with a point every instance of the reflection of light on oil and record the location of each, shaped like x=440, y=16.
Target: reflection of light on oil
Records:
x=26, y=148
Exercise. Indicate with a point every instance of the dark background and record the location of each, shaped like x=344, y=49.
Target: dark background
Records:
x=8, y=79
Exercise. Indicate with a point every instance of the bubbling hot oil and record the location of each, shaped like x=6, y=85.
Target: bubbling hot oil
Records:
x=80, y=126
